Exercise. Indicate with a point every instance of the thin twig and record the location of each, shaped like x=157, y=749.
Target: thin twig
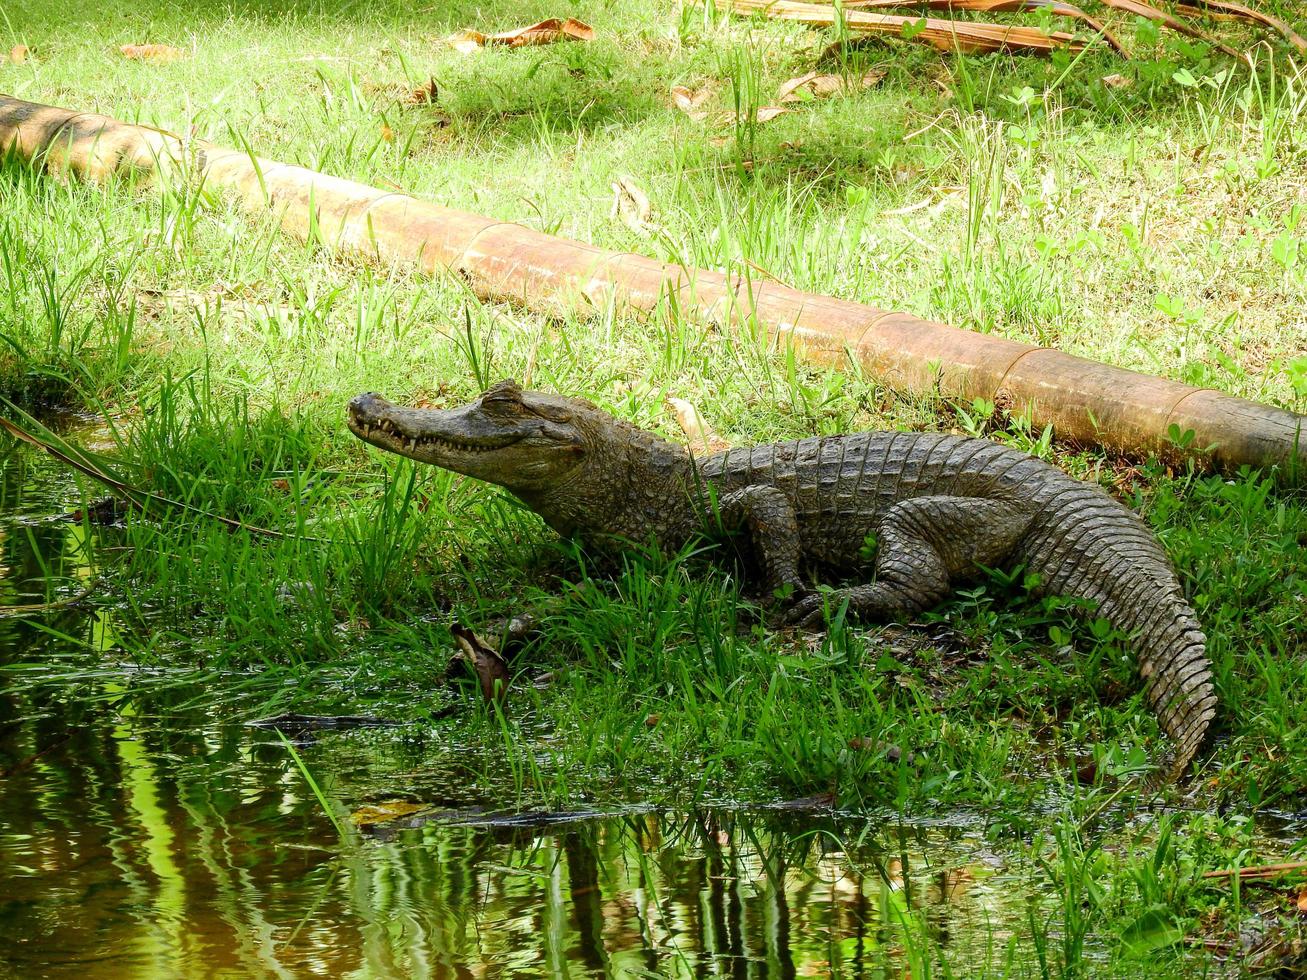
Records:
x=1258, y=870
x=9, y=612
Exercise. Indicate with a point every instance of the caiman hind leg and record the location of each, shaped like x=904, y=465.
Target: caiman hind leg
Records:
x=767, y=517
x=923, y=545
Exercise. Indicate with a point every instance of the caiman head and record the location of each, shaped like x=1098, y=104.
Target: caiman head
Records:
x=575, y=465
x=526, y=441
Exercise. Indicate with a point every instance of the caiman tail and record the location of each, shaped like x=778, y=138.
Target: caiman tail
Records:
x=1084, y=544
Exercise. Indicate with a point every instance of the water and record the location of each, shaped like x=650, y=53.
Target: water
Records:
x=146, y=830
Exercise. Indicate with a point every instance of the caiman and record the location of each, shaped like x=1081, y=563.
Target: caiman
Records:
x=937, y=508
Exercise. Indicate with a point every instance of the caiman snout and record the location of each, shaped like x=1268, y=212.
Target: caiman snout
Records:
x=497, y=437
x=367, y=405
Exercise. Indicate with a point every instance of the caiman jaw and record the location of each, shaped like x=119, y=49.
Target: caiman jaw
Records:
x=423, y=434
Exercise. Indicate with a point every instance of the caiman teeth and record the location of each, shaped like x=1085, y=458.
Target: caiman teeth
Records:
x=410, y=443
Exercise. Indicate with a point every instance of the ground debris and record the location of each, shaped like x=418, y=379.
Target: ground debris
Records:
x=631, y=206
x=159, y=54
x=491, y=670
x=816, y=85
x=691, y=101
x=545, y=32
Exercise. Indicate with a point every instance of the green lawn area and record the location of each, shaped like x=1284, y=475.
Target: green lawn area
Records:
x=1153, y=221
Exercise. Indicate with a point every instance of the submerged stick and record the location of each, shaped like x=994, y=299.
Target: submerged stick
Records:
x=1258, y=870
x=1083, y=400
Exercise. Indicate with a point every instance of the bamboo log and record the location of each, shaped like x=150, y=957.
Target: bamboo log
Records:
x=1084, y=400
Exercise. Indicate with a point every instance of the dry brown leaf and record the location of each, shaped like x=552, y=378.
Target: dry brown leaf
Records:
x=818, y=86
x=427, y=94
x=387, y=810
x=546, y=32
x=1116, y=80
x=491, y=670
x=690, y=102
x=19, y=54
x=631, y=206
x=1302, y=900
x=159, y=54
x=651, y=721
x=698, y=433
x=764, y=113
x=945, y=35
x=467, y=42
x=387, y=133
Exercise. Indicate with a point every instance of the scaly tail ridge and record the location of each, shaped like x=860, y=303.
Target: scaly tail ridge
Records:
x=1089, y=546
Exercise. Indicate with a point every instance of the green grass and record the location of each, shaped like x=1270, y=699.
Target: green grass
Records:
x=1157, y=226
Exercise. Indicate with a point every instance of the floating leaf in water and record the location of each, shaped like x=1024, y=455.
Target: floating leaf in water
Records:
x=384, y=812
x=1154, y=928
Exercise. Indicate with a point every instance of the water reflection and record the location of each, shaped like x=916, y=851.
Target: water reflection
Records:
x=143, y=837
x=133, y=848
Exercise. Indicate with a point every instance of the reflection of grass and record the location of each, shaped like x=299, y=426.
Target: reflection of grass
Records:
x=1144, y=225
x=328, y=808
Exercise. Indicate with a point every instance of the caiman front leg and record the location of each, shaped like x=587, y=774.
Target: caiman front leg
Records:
x=767, y=517
x=923, y=545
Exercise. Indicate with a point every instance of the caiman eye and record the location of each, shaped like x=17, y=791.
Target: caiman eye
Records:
x=504, y=398
x=502, y=404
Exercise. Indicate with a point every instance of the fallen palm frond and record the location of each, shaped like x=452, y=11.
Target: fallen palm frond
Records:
x=1141, y=9
x=139, y=498
x=981, y=38
x=994, y=7
x=946, y=35
x=1237, y=11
